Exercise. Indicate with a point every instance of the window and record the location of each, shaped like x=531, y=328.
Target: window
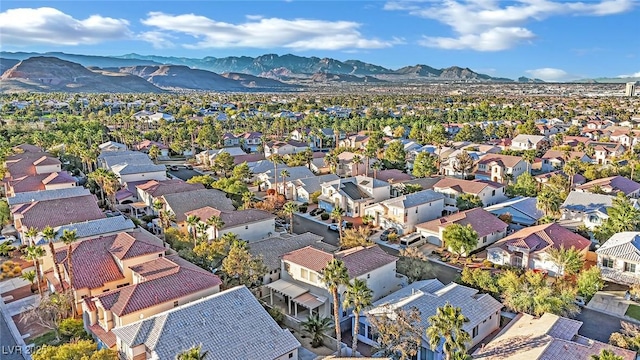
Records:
x=123, y=285
x=246, y=227
x=608, y=263
x=160, y=255
x=175, y=303
x=313, y=277
x=629, y=267
x=290, y=355
x=304, y=273
x=474, y=332
x=484, y=239
x=493, y=193
x=368, y=276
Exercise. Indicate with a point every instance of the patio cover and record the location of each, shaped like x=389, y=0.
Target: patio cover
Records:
x=450, y=208
x=138, y=205
x=309, y=300
x=286, y=288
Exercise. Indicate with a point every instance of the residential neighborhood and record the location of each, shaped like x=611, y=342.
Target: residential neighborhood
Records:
x=308, y=241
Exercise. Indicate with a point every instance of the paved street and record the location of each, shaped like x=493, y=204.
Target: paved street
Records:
x=183, y=173
x=597, y=326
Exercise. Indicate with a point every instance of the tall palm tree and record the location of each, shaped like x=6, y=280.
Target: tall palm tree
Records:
x=111, y=185
x=446, y=325
x=193, y=353
x=275, y=159
x=289, y=209
x=49, y=234
x=549, y=202
x=31, y=234
x=357, y=161
x=529, y=157
x=34, y=253
x=358, y=297
x=69, y=237
x=99, y=177
x=202, y=228
x=284, y=173
x=606, y=354
x=157, y=206
x=247, y=198
x=376, y=166
x=216, y=223
x=192, y=221
x=334, y=275
x=337, y=214
x=166, y=218
x=331, y=160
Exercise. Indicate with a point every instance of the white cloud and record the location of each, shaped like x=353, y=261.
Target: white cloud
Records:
x=476, y=23
x=158, y=39
x=549, y=74
x=265, y=33
x=45, y=25
x=630, y=75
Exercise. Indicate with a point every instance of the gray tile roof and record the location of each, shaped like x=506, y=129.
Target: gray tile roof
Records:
x=44, y=195
x=124, y=169
x=587, y=202
x=98, y=227
x=313, y=184
x=525, y=205
x=414, y=199
x=230, y=325
x=428, y=295
x=183, y=202
x=623, y=245
x=272, y=249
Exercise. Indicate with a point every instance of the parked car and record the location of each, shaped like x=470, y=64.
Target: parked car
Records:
x=173, y=168
x=412, y=240
x=385, y=234
x=334, y=226
x=316, y=211
x=188, y=166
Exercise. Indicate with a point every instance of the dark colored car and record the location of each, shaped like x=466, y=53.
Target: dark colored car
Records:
x=316, y=211
x=173, y=168
x=385, y=234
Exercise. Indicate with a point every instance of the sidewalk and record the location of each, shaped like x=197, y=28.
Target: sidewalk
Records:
x=612, y=304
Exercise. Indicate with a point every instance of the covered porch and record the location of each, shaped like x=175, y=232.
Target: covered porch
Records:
x=138, y=209
x=295, y=300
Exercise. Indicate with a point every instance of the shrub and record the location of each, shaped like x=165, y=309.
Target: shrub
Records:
x=302, y=209
x=487, y=263
x=393, y=237
x=73, y=329
x=314, y=196
x=277, y=315
x=324, y=216
x=148, y=218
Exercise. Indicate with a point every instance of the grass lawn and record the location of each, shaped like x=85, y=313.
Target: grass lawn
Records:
x=48, y=338
x=633, y=311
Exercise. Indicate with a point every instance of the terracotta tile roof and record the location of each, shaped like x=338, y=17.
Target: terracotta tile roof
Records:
x=94, y=260
x=232, y=218
x=239, y=159
x=27, y=183
x=542, y=237
x=62, y=177
x=46, y=160
x=482, y=221
x=147, y=144
x=460, y=185
x=157, y=188
x=358, y=261
x=557, y=154
x=508, y=161
x=40, y=214
x=157, y=290
x=613, y=184
x=107, y=337
x=183, y=202
x=393, y=176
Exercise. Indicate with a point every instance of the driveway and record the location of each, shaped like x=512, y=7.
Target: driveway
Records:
x=301, y=224
x=183, y=173
x=597, y=325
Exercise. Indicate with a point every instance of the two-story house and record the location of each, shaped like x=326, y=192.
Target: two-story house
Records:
x=151, y=191
x=231, y=324
x=523, y=211
x=284, y=147
x=588, y=209
x=145, y=145
x=500, y=168
x=555, y=159
x=301, y=189
x=353, y=194
x=404, y=212
x=619, y=258
x=251, y=141
x=348, y=164
x=181, y=203
x=528, y=248
x=248, y=224
x=482, y=310
x=612, y=185
x=529, y=142
x=302, y=292
x=605, y=152
x=230, y=140
x=489, y=192
x=488, y=226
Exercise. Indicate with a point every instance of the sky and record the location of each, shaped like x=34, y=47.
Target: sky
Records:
x=553, y=40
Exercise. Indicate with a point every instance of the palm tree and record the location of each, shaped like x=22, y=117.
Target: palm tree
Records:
x=166, y=218
x=568, y=261
x=31, y=234
x=194, y=353
x=99, y=177
x=49, y=234
x=157, y=206
x=111, y=185
x=69, y=237
x=289, y=209
x=247, y=198
x=447, y=325
x=336, y=214
x=571, y=169
x=331, y=160
x=284, y=173
x=30, y=276
x=529, y=157
x=201, y=228
x=357, y=161
x=358, y=297
x=376, y=166
x=333, y=276
x=192, y=221
x=34, y=253
x=606, y=354
x=216, y=223
x=549, y=202
x=154, y=152
x=317, y=326
x=275, y=159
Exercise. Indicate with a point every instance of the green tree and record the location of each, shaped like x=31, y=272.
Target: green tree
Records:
x=289, y=209
x=231, y=185
x=69, y=237
x=5, y=213
x=468, y=201
x=528, y=128
x=284, y=173
x=354, y=237
x=396, y=155
x=549, y=202
x=414, y=265
x=223, y=162
x=480, y=279
x=192, y=221
x=336, y=214
x=242, y=268
x=73, y=329
x=335, y=275
x=34, y=253
x=247, y=199
x=606, y=354
x=193, y=353
x=79, y=350
x=589, y=282
x=425, y=165
x=463, y=163
x=166, y=217
x=567, y=261
x=216, y=223
x=206, y=180
x=460, y=239
x=29, y=276
x=275, y=159
x=154, y=152
x=49, y=234
x=49, y=312
x=529, y=156
x=357, y=161
x=525, y=185
x=623, y=216
x=357, y=298
x=628, y=337
x=399, y=331
x=317, y=326
x=446, y=326
x=242, y=172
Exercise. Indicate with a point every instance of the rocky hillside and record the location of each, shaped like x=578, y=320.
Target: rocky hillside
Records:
x=46, y=74
x=329, y=78
x=6, y=64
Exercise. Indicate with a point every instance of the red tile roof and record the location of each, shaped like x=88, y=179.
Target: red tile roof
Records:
x=62, y=177
x=147, y=144
x=40, y=214
x=543, y=237
x=232, y=218
x=46, y=160
x=461, y=186
x=310, y=258
x=508, y=161
x=482, y=221
x=239, y=159
x=157, y=188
